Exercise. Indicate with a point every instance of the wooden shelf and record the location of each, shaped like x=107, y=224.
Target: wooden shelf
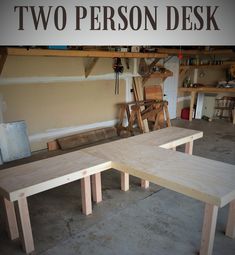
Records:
x=226, y=52
x=207, y=90
x=81, y=53
x=226, y=65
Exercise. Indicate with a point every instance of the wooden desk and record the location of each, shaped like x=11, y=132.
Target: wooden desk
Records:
x=18, y=183
x=206, y=180
x=209, y=181
x=194, y=91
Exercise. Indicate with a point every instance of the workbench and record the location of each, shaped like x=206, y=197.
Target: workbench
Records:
x=194, y=91
x=206, y=180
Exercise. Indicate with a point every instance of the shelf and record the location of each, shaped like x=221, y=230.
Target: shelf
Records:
x=226, y=65
x=226, y=52
x=207, y=90
x=81, y=53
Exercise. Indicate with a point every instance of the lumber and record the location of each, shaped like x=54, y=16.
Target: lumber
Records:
x=25, y=225
x=86, y=195
x=11, y=222
x=208, y=229
x=96, y=187
x=124, y=181
x=189, y=148
x=85, y=138
x=230, y=228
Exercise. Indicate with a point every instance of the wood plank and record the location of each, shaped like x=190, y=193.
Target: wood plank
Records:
x=189, y=148
x=144, y=184
x=125, y=181
x=86, y=195
x=208, y=231
x=53, y=146
x=81, y=53
x=85, y=138
x=38, y=176
x=25, y=225
x=96, y=187
x=230, y=228
x=11, y=222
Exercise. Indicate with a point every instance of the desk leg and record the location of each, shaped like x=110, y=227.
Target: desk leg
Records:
x=25, y=225
x=144, y=184
x=189, y=148
x=208, y=230
x=192, y=100
x=230, y=229
x=11, y=222
x=86, y=195
x=96, y=187
x=124, y=181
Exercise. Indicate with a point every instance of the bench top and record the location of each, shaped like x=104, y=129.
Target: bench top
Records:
x=207, y=180
x=29, y=179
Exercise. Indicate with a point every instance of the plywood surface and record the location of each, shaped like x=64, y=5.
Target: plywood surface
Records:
x=207, y=180
x=32, y=178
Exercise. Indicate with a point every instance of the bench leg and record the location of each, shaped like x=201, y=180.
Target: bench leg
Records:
x=230, y=229
x=124, y=181
x=144, y=184
x=96, y=187
x=189, y=148
x=86, y=195
x=25, y=225
x=11, y=222
x=208, y=230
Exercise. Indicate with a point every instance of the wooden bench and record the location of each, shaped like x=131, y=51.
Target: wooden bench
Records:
x=206, y=180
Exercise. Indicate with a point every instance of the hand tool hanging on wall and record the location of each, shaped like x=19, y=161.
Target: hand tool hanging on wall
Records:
x=118, y=68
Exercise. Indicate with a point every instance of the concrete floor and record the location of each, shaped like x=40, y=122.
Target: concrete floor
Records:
x=138, y=222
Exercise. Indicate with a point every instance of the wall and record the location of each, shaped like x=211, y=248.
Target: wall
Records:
x=52, y=95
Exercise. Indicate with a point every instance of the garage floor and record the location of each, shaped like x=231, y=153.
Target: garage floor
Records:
x=155, y=221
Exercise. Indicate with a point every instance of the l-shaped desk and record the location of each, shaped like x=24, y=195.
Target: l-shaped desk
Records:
x=144, y=156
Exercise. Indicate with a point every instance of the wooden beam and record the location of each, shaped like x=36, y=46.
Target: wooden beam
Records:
x=81, y=53
x=89, y=65
x=208, y=230
x=230, y=228
x=124, y=181
x=25, y=225
x=2, y=60
x=96, y=187
x=86, y=195
x=12, y=227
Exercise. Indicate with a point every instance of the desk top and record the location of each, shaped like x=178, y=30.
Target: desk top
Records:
x=207, y=180
x=32, y=178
